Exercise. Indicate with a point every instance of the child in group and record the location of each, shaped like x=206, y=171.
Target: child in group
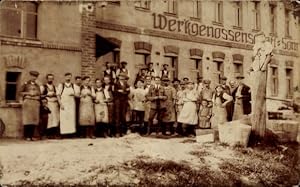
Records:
x=138, y=106
x=205, y=113
x=44, y=112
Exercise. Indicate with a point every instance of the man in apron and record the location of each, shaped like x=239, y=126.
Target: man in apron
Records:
x=66, y=93
x=49, y=92
x=31, y=105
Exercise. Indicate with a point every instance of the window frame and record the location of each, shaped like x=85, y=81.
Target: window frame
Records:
x=273, y=19
x=238, y=5
x=141, y=2
x=257, y=16
x=289, y=82
x=274, y=81
x=23, y=20
x=174, y=8
x=174, y=66
x=197, y=10
x=17, y=85
x=287, y=29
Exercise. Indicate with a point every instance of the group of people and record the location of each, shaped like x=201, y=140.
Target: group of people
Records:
x=111, y=106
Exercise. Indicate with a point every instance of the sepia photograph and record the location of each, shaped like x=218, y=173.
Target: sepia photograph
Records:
x=151, y=93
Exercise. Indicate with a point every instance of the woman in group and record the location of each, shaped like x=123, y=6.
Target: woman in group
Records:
x=220, y=100
x=188, y=115
x=86, y=108
x=108, y=98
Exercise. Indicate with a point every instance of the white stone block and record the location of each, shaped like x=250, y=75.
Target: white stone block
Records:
x=234, y=133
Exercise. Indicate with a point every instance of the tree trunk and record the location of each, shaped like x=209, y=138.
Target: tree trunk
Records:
x=259, y=104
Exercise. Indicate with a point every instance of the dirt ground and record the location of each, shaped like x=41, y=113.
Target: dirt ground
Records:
x=145, y=161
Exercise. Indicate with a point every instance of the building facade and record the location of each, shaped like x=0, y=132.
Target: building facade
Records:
x=196, y=38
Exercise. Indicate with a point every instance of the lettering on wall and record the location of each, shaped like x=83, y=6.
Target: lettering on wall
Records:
x=191, y=28
x=14, y=61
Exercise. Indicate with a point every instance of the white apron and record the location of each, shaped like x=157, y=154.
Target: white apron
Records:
x=101, y=110
x=67, y=116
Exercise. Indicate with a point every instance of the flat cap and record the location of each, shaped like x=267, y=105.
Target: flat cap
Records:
x=123, y=62
x=240, y=77
x=223, y=78
x=34, y=73
x=206, y=81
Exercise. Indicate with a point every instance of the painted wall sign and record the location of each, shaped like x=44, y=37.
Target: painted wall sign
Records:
x=191, y=28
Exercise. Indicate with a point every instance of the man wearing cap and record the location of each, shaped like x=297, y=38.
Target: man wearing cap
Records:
x=49, y=92
x=123, y=70
x=241, y=97
x=165, y=73
x=150, y=70
x=157, y=97
x=122, y=90
x=207, y=92
x=109, y=71
x=169, y=116
x=31, y=105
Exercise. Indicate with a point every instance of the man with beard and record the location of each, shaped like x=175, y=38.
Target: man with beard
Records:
x=66, y=93
x=31, y=105
x=49, y=92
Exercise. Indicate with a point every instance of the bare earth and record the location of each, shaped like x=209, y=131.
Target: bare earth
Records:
x=144, y=161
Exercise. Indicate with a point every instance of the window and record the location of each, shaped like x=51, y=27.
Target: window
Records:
x=172, y=6
x=198, y=68
x=197, y=9
x=173, y=64
x=219, y=12
x=220, y=70
x=274, y=81
x=18, y=19
x=12, y=84
x=142, y=58
x=256, y=13
x=238, y=69
x=287, y=22
x=289, y=83
x=273, y=18
x=116, y=56
x=144, y=4
x=238, y=14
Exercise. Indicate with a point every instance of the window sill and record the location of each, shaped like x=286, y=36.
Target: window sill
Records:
x=20, y=40
x=195, y=19
x=114, y=3
x=142, y=9
x=237, y=27
x=255, y=30
x=273, y=34
x=171, y=14
x=288, y=37
x=218, y=23
x=10, y=105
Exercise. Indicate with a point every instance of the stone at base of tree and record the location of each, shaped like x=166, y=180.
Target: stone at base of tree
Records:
x=205, y=135
x=234, y=133
x=246, y=182
x=285, y=130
